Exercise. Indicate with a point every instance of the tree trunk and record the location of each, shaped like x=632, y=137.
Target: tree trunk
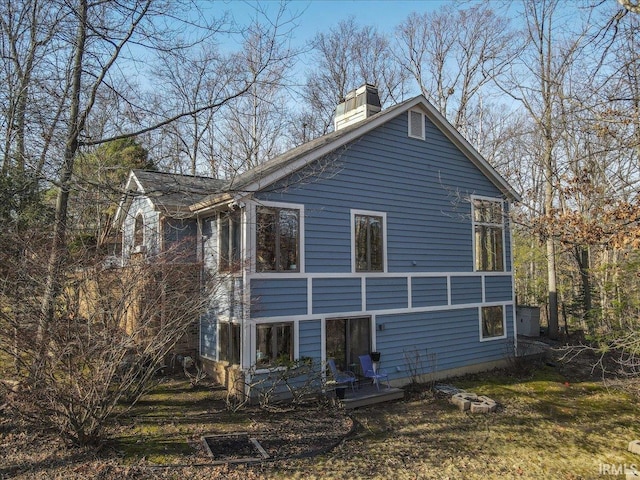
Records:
x=582, y=257
x=58, y=248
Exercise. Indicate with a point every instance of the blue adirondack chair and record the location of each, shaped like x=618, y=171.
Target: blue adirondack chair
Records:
x=342, y=377
x=374, y=374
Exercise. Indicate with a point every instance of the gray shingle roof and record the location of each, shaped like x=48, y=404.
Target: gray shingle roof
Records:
x=170, y=192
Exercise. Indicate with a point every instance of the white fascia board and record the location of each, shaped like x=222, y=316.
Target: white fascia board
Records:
x=125, y=201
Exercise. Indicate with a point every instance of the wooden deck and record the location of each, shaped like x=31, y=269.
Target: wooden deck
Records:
x=365, y=395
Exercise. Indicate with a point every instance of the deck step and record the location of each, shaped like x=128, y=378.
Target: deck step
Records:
x=371, y=397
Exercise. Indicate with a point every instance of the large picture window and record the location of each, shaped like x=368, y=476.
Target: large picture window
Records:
x=277, y=239
x=229, y=258
x=493, y=322
x=229, y=343
x=369, y=243
x=274, y=344
x=488, y=235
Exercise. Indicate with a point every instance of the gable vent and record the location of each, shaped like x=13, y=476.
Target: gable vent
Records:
x=358, y=104
x=416, y=124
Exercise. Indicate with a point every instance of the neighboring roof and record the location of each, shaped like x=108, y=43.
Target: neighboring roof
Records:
x=277, y=168
x=174, y=192
x=169, y=192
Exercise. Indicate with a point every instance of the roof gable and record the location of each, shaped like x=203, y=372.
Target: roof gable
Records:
x=291, y=161
x=169, y=193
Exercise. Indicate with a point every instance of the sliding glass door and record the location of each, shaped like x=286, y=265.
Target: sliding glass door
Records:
x=347, y=338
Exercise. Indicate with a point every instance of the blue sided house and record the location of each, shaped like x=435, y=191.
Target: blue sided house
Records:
x=390, y=234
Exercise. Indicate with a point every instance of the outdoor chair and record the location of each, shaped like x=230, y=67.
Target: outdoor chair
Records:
x=374, y=374
x=342, y=377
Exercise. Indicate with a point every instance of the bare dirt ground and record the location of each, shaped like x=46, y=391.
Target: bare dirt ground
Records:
x=555, y=421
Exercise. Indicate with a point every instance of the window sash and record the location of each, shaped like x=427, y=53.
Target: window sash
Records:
x=488, y=227
x=229, y=343
x=230, y=241
x=369, y=247
x=274, y=344
x=138, y=230
x=493, y=322
x=277, y=239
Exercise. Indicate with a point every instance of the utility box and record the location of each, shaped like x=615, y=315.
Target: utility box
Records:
x=528, y=321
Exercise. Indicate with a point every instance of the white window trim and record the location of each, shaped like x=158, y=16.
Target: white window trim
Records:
x=504, y=322
x=473, y=232
x=218, y=221
x=251, y=231
x=422, y=127
x=226, y=319
x=353, y=238
x=254, y=343
x=139, y=213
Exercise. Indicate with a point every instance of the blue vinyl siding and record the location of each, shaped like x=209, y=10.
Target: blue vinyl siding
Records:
x=466, y=290
x=452, y=335
x=332, y=295
x=423, y=186
x=497, y=289
x=278, y=297
x=429, y=291
x=385, y=293
x=309, y=338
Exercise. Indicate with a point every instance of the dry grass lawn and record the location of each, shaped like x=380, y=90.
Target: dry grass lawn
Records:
x=552, y=423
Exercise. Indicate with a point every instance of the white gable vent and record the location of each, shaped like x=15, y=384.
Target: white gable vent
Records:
x=358, y=104
x=416, y=124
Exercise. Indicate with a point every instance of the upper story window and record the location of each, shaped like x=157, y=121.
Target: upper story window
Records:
x=369, y=241
x=488, y=226
x=138, y=230
x=230, y=241
x=416, y=124
x=277, y=239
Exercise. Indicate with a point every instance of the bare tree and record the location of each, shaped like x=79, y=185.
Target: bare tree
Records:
x=86, y=63
x=346, y=57
x=454, y=55
x=548, y=59
x=102, y=31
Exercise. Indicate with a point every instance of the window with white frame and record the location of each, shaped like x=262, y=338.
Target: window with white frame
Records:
x=369, y=242
x=277, y=239
x=416, y=124
x=230, y=237
x=274, y=344
x=229, y=343
x=493, y=322
x=488, y=234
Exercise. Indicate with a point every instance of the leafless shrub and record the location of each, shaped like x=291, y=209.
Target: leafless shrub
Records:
x=291, y=383
x=422, y=367
x=113, y=330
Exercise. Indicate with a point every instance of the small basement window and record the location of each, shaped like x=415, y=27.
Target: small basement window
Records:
x=416, y=124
